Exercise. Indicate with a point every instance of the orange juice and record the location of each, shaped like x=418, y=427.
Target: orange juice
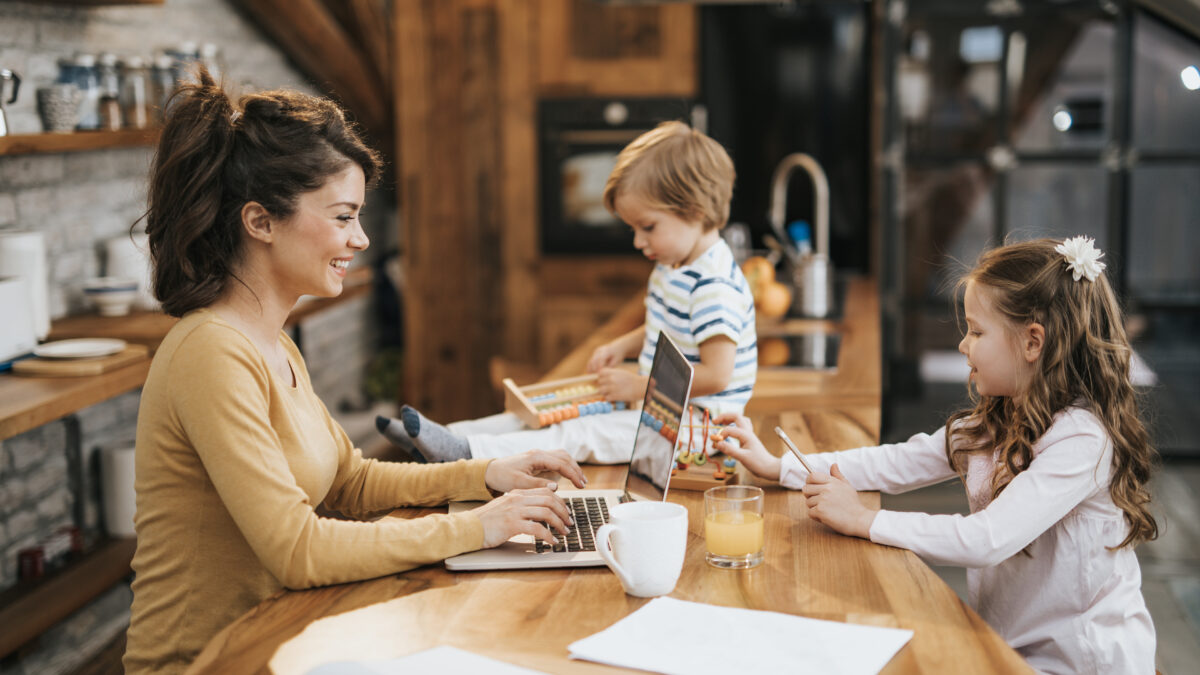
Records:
x=733, y=533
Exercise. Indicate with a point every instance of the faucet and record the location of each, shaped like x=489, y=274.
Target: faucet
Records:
x=820, y=195
x=812, y=273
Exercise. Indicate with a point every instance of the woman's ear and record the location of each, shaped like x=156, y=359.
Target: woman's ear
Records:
x=256, y=221
x=1035, y=340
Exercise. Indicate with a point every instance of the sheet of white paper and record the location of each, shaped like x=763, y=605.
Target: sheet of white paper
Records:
x=662, y=637
x=437, y=661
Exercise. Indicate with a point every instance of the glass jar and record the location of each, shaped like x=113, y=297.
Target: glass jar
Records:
x=80, y=70
x=110, y=90
x=185, y=55
x=162, y=84
x=135, y=94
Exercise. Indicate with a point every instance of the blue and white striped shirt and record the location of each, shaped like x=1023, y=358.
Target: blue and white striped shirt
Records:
x=697, y=302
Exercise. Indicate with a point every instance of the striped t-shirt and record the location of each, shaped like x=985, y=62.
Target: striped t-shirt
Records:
x=697, y=302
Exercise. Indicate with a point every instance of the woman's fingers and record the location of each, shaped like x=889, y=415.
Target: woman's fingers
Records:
x=561, y=463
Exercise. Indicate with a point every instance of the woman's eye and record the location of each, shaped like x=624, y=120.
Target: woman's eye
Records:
x=345, y=218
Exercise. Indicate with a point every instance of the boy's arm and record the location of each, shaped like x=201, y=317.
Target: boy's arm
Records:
x=629, y=345
x=712, y=374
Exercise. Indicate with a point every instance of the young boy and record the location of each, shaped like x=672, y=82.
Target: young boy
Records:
x=671, y=185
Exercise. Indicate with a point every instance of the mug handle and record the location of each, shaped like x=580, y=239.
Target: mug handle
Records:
x=603, y=536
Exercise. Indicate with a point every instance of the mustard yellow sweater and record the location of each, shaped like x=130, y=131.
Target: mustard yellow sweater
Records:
x=230, y=465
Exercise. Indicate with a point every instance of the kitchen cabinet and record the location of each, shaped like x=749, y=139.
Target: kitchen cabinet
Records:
x=590, y=49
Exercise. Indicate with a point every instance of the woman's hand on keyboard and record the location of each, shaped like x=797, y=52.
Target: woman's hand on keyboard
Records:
x=520, y=471
x=523, y=512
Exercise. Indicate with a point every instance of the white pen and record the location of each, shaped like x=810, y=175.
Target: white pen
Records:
x=792, y=446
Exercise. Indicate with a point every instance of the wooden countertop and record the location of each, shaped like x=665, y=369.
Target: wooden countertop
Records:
x=529, y=617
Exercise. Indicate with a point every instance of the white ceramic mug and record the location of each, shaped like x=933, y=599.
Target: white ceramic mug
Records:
x=647, y=541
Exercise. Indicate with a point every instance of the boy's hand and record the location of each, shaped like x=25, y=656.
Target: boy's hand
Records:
x=605, y=356
x=834, y=502
x=618, y=384
x=749, y=450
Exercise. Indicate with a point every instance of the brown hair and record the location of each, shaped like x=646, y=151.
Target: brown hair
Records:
x=677, y=169
x=213, y=158
x=1085, y=357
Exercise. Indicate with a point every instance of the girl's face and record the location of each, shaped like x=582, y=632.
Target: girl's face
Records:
x=992, y=347
x=663, y=236
x=315, y=246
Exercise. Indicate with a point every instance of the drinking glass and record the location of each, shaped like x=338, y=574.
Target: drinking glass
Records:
x=733, y=526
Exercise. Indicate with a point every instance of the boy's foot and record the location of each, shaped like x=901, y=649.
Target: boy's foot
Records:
x=422, y=436
x=393, y=430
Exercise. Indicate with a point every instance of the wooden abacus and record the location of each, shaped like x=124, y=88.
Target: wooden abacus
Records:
x=546, y=403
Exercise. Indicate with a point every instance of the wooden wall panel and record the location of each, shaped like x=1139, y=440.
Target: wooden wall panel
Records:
x=604, y=50
x=467, y=197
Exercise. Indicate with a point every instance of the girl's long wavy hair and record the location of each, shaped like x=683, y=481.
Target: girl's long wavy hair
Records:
x=1085, y=356
x=213, y=157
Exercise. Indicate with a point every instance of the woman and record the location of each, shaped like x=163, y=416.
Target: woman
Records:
x=250, y=207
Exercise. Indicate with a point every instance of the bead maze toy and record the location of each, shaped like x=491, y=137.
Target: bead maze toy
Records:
x=546, y=403
x=695, y=468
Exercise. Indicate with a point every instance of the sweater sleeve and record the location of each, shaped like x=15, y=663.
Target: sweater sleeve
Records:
x=892, y=468
x=222, y=406
x=1073, y=465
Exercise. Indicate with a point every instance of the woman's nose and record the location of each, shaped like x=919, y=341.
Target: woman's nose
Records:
x=358, y=239
x=962, y=346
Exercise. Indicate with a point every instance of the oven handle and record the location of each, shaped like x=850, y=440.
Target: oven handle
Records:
x=599, y=136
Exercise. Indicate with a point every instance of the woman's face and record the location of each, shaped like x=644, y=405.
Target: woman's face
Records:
x=315, y=246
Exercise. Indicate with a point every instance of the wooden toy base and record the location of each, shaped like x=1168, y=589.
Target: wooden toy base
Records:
x=701, y=477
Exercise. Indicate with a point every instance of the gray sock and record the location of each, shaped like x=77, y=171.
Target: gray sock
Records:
x=393, y=430
x=434, y=441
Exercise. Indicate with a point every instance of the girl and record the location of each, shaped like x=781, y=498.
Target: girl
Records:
x=250, y=207
x=1053, y=456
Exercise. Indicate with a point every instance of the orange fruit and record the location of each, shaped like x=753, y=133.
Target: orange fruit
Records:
x=773, y=300
x=759, y=272
x=773, y=352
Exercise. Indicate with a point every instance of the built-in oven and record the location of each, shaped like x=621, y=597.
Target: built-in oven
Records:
x=578, y=144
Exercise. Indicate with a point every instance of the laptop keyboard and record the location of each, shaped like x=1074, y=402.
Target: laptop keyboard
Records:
x=590, y=513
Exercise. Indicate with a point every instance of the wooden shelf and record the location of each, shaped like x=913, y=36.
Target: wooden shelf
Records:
x=78, y=141
x=101, y=3
x=29, y=402
x=29, y=609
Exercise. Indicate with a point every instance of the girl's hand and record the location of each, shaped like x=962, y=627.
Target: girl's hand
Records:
x=520, y=471
x=523, y=512
x=749, y=450
x=834, y=502
x=605, y=356
x=618, y=384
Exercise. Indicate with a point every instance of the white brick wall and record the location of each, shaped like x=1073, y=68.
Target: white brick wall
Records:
x=81, y=199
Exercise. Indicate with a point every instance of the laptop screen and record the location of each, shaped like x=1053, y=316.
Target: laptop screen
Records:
x=662, y=409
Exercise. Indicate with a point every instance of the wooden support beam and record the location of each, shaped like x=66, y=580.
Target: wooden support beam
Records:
x=313, y=38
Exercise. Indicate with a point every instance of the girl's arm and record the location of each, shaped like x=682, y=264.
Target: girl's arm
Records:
x=892, y=468
x=1074, y=465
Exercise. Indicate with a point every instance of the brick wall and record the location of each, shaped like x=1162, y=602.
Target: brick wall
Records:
x=78, y=200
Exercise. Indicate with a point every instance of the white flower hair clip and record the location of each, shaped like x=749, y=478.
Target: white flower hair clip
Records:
x=1083, y=258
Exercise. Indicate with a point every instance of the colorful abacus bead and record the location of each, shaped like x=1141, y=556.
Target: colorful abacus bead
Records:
x=729, y=464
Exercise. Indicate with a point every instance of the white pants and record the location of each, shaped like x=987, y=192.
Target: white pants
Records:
x=600, y=439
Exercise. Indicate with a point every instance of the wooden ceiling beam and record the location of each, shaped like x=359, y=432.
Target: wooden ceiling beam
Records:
x=312, y=37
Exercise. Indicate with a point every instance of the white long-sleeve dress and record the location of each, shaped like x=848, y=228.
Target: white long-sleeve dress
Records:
x=1071, y=605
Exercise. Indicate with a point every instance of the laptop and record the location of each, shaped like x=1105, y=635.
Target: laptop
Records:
x=647, y=478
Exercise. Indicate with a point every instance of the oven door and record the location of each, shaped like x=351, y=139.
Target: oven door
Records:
x=575, y=165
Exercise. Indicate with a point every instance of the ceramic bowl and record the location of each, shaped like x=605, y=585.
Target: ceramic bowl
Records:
x=113, y=296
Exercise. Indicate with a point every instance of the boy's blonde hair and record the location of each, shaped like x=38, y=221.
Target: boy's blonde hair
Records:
x=675, y=168
x=1086, y=357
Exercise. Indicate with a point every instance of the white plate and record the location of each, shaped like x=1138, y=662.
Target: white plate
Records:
x=82, y=348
